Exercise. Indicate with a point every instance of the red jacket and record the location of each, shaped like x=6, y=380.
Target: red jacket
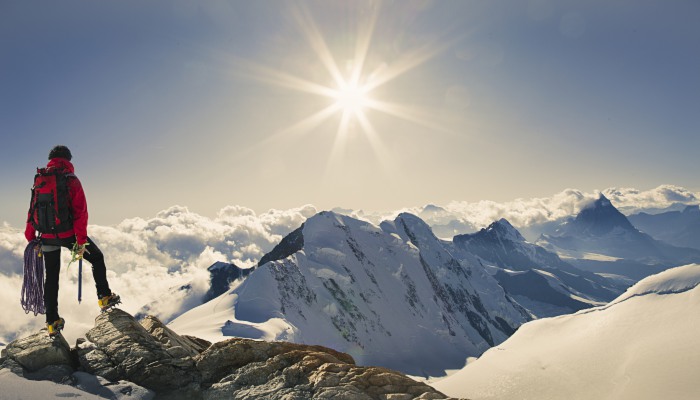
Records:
x=78, y=207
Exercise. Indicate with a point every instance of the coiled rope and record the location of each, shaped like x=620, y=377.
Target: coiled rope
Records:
x=33, y=284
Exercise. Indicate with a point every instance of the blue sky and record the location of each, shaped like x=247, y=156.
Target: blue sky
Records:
x=191, y=103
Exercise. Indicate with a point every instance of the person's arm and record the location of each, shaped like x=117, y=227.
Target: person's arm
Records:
x=79, y=208
x=29, y=231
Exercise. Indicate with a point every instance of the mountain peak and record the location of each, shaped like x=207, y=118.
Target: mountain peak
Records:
x=505, y=230
x=600, y=217
x=600, y=202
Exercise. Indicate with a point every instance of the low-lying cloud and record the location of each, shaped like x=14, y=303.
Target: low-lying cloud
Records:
x=146, y=258
x=462, y=217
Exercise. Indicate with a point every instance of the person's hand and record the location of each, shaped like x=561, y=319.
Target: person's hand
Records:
x=79, y=251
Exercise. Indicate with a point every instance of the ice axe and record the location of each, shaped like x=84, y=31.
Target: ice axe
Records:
x=79, y=257
x=80, y=280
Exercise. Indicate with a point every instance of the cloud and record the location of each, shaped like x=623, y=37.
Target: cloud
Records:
x=146, y=258
x=527, y=212
x=462, y=217
x=12, y=245
x=631, y=200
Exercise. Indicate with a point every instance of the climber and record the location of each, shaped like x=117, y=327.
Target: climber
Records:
x=58, y=213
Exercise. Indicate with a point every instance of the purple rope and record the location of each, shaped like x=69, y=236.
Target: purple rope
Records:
x=33, y=284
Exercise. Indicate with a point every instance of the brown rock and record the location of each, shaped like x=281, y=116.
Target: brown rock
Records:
x=184, y=345
x=120, y=348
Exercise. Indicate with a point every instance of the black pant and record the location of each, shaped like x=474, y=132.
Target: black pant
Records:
x=52, y=264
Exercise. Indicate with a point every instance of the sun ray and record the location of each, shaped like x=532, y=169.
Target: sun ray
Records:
x=339, y=142
x=411, y=114
x=380, y=151
x=363, y=44
x=408, y=62
x=308, y=26
x=307, y=124
x=282, y=79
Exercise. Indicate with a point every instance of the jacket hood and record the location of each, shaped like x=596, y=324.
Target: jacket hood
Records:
x=61, y=163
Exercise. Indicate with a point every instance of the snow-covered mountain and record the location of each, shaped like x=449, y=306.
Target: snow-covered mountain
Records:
x=643, y=345
x=537, y=278
x=392, y=296
x=602, y=234
x=679, y=228
x=185, y=297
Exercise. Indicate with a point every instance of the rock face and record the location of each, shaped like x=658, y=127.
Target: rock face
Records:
x=120, y=348
x=221, y=275
x=248, y=369
x=176, y=345
x=39, y=351
x=152, y=356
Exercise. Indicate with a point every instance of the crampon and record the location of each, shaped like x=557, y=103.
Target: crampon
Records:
x=55, y=328
x=108, y=302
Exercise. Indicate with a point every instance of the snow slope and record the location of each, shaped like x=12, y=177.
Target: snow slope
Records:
x=392, y=296
x=643, y=345
x=87, y=387
x=181, y=298
x=16, y=388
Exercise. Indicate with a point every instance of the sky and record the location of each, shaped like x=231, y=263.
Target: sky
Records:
x=358, y=104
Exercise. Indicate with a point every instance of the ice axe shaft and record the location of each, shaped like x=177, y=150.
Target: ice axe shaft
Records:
x=80, y=280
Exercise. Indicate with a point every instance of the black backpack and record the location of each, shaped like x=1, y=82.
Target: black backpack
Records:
x=50, y=205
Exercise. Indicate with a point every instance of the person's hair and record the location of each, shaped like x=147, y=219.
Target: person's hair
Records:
x=60, y=151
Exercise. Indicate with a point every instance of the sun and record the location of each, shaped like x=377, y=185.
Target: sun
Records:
x=351, y=98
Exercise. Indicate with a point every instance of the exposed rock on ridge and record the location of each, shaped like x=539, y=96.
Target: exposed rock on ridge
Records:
x=173, y=366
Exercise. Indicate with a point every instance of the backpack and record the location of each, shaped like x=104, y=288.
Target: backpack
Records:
x=50, y=205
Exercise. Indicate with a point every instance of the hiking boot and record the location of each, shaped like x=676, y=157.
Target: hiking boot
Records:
x=107, y=302
x=55, y=327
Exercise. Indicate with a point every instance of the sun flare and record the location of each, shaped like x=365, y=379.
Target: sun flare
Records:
x=350, y=91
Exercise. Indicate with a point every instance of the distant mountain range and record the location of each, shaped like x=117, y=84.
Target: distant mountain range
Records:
x=537, y=278
x=602, y=239
x=679, y=228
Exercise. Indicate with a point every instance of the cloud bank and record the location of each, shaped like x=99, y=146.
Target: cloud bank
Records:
x=146, y=258
x=462, y=217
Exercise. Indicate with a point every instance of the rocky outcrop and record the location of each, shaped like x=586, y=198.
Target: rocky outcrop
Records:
x=248, y=369
x=40, y=358
x=176, y=345
x=118, y=347
x=149, y=355
x=39, y=351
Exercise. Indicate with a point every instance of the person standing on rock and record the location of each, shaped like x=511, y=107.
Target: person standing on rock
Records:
x=58, y=213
